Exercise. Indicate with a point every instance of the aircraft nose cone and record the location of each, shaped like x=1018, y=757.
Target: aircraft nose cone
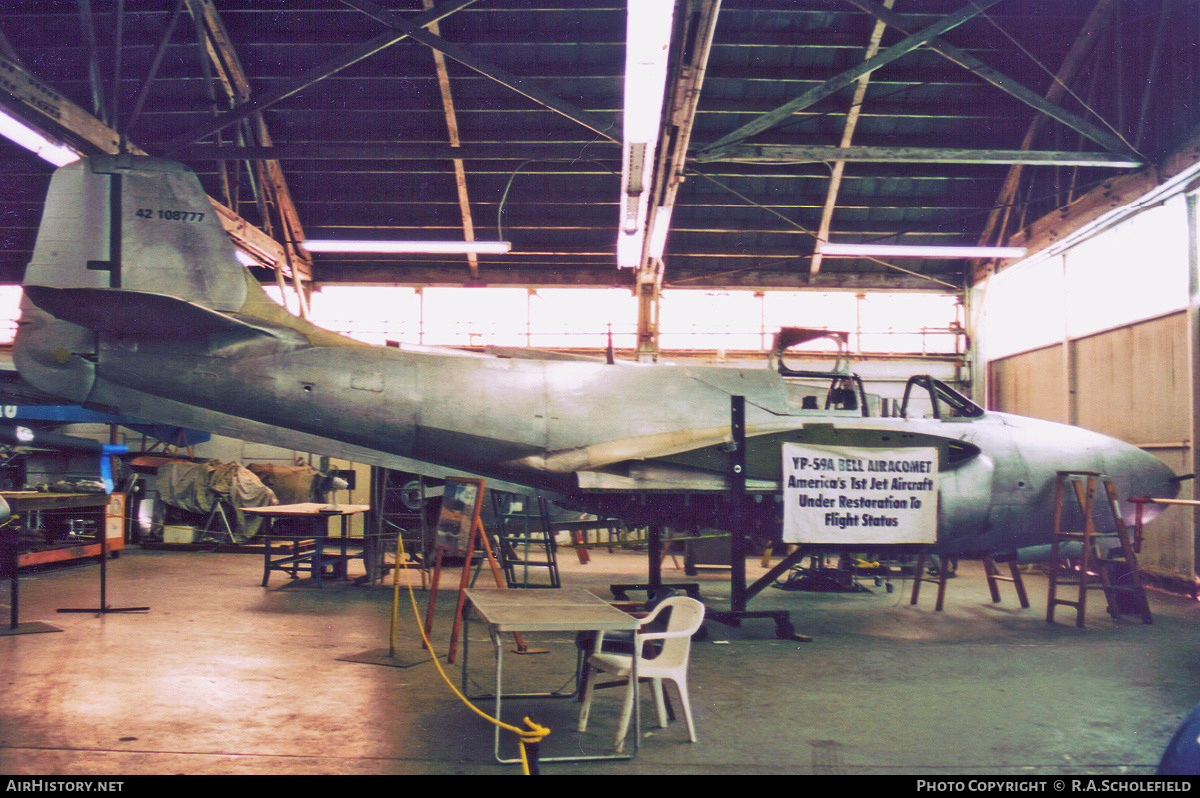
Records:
x=1150, y=477
x=1138, y=475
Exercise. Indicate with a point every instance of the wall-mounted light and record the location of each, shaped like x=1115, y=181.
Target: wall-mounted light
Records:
x=420, y=247
x=36, y=142
x=851, y=250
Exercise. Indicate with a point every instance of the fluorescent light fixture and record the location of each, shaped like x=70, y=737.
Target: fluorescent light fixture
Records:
x=658, y=233
x=831, y=250
x=629, y=249
x=647, y=44
x=425, y=247
x=36, y=142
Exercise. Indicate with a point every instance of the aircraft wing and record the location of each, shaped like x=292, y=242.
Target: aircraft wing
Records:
x=704, y=465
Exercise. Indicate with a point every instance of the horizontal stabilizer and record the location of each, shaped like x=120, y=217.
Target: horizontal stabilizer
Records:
x=136, y=313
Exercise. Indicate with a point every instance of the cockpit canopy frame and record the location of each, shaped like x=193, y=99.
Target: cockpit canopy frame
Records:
x=946, y=402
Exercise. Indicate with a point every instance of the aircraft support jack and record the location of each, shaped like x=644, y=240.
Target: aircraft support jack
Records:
x=739, y=594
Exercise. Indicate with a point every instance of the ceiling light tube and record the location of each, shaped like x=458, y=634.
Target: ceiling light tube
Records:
x=629, y=249
x=420, y=247
x=849, y=250
x=647, y=46
x=35, y=141
x=659, y=230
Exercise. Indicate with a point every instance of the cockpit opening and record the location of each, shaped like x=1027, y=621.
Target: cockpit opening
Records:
x=839, y=389
x=927, y=397
x=834, y=389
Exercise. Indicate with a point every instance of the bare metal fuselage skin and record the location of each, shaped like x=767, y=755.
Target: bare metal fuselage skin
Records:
x=176, y=331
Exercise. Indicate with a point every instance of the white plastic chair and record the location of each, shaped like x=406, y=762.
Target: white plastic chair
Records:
x=670, y=663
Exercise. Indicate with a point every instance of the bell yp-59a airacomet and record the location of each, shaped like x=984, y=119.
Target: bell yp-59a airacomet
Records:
x=135, y=304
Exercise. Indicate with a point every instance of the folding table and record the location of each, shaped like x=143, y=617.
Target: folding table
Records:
x=564, y=609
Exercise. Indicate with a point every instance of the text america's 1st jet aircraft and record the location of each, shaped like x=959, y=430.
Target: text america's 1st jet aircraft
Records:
x=135, y=304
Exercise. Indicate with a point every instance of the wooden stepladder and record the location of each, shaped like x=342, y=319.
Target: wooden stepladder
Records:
x=920, y=576
x=1112, y=568
x=458, y=532
x=994, y=577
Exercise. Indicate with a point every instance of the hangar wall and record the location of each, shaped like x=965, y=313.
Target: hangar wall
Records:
x=1132, y=383
x=1099, y=335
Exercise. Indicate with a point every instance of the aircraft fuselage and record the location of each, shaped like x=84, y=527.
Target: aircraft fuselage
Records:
x=540, y=422
x=135, y=304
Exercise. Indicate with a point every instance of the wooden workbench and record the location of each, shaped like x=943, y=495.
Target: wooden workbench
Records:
x=111, y=509
x=303, y=531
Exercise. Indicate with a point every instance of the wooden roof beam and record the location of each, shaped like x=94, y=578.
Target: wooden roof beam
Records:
x=460, y=173
x=26, y=97
x=608, y=128
x=997, y=222
x=838, y=167
x=220, y=49
x=321, y=71
x=405, y=151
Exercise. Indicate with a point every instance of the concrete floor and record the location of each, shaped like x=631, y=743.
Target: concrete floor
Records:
x=223, y=676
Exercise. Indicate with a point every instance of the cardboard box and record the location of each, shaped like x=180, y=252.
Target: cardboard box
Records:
x=178, y=534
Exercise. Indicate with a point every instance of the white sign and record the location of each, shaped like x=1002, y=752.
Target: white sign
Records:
x=859, y=495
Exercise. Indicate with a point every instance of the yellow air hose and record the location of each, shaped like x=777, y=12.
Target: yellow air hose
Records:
x=529, y=738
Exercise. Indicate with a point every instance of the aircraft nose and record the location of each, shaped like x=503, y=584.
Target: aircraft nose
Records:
x=1139, y=474
x=1148, y=476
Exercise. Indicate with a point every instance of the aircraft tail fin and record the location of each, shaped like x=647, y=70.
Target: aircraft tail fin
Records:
x=137, y=224
x=131, y=246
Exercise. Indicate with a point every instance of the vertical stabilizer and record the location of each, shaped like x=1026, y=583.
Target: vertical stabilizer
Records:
x=138, y=224
x=124, y=223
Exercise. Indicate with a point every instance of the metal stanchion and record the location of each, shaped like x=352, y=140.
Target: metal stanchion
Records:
x=105, y=470
x=9, y=545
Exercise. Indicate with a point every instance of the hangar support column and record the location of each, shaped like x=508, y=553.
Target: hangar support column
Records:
x=649, y=292
x=1193, y=233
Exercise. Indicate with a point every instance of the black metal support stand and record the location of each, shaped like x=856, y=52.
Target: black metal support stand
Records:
x=741, y=530
x=9, y=543
x=104, y=609
x=654, y=582
x=740, y=534
x=770, y=576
